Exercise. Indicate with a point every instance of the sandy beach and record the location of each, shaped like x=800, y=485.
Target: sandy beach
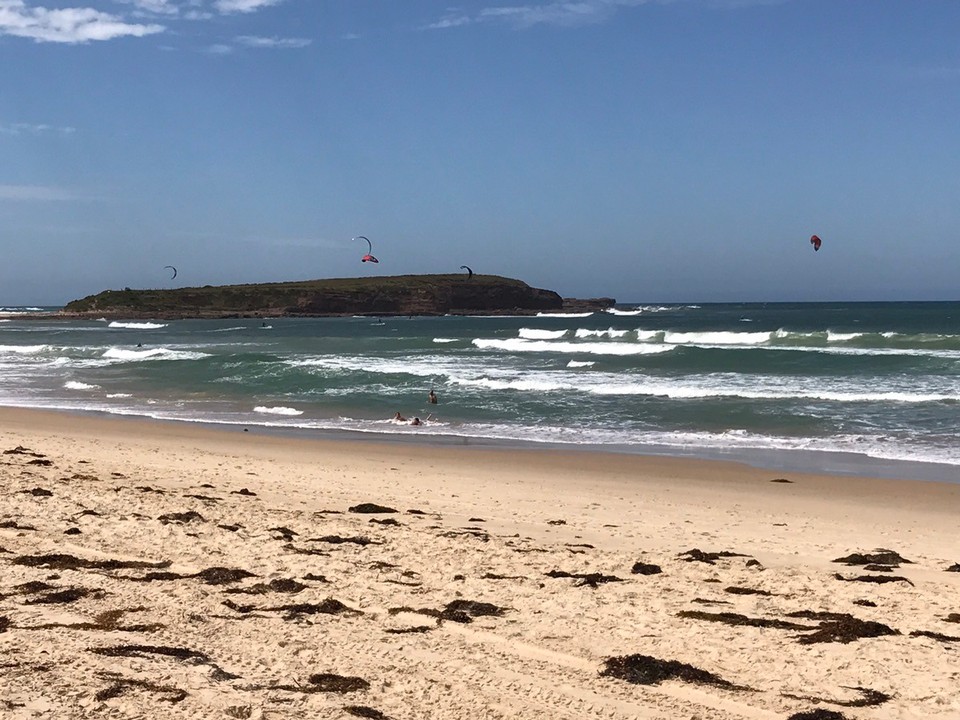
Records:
x=168, y=570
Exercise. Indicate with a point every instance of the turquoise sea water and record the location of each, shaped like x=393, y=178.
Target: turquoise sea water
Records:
x=799, y=385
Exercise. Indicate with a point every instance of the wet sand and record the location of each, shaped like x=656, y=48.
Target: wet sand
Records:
x=220, y=573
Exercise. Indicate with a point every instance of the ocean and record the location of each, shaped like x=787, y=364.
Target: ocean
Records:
x=864, y=388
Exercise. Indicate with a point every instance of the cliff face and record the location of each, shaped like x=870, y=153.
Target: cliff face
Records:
x=394, y=295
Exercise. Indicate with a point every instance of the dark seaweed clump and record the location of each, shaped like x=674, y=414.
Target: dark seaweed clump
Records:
x=818, y=714
x=323, y=683
x=845, y=629
x=585, y=579
x=733, y=590
x=647, y=670
x=954, y=568
x=640, y=568
x=880, y=556
x=223, y=575
x=338, y=540
x=184, y=517
x=868, y=698
x=461, y=611
x=729, y=618
x=935, y=636
x=329, y=682
x=876, y=579
x=371, y=508
x=191, y=656
x=65, y=596
x=952, y=617
x=281, y=585
x=362, y=711
x=697, y=555
x=59, y=561
x=120, y=686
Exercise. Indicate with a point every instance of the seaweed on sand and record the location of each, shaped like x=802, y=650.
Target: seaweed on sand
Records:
x=647, y=670
x=818, y=714
x=876, y=579
x=729, y=618
x=880, y=556
x=223, y=575
x=281, y=585
x=733, y=590
x=593, y=580
x=338, y=540
x=371, y=508
x=697, y=555
x=324, y=683
x=461, y=611
x=362, y=711
x=935, y=636
x=38, y=492
x=63, y=597
x=21, y=450
x=641, y=568
x=190, y=656
x=330, y=606
x=121, y=685
x=284, y=532
x=868, y=698
x=184, y=517
x=61, y=561
x=844, y=629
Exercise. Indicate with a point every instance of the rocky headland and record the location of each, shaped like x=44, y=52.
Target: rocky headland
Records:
x=392, y=295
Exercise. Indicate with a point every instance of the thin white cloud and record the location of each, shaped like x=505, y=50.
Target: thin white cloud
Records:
x=34, y=193
x=254, y=41
x=67, y=25
x=243, y=6
x=34, y=129
x=155, y=7
x=566, y=13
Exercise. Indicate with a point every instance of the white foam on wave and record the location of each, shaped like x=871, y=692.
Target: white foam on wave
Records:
x=159, y=353
x=23, y=349
x=137, y=325
x=77, y=385
x=716, y=338
x=538, y=334
x=842, y=337
x=443, y=340
x=609, y=332
x=580, y=363
x=220, y=330
x=597, y=348
x=617, y=311
x=119, y=395
x=565, y=315
x=280, y=410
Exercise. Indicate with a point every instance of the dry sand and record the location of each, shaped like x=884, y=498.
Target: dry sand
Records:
x=120, y=596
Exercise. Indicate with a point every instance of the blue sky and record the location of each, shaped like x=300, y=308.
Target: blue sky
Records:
x=649, y=150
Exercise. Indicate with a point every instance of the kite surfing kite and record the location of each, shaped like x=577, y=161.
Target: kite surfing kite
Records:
x=171, y=267
x=815, y=241
x=469, y=271
x=369, y=256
